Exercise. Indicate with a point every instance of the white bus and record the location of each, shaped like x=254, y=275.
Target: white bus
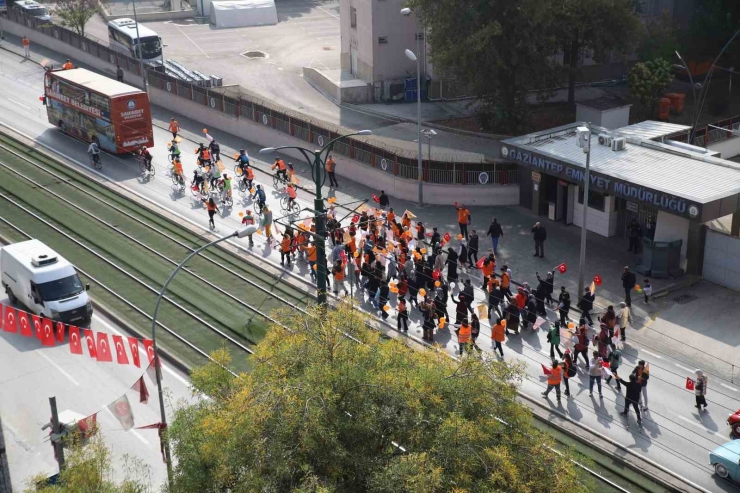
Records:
x=122, y=35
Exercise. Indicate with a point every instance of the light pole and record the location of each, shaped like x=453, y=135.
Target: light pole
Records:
x=319, y=176
x=584, y=141
x=429, y=133
x=163, y=416
x=694, y=87
x=414, y=58
x=138, y=50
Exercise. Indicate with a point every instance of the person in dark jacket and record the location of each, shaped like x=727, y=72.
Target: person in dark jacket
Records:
x=451, y=265
x=581, y=346
x=634, y=231
x=511, y=315
x=549, y=284
x=539, y=295
x=495, y=232
x=586, y=304
x=461, y=308
x=468, y=291
x=383, y=200
x=383, y=297
x=632, y=396
x=436, y=238
x=628, y=283
x=564, y=306
x=475, y=331
x=540, y=235
x=495, y=297
x=529, y=314
x=473, y=249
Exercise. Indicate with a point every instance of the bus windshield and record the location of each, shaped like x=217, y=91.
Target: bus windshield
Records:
x=37, y=11
x=61, y=289
x=151, y=47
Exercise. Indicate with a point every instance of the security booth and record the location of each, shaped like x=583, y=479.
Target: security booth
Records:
x=636, y=172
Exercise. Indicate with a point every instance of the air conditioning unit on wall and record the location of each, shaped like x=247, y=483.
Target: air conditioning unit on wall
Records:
x=619, y=144
x=605, y=140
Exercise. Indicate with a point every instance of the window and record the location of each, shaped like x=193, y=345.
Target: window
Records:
x=595, y=199
x=383, y=40
x=352, y=17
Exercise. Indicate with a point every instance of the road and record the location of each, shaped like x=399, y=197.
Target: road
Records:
x=672, y=435
x=30, y=374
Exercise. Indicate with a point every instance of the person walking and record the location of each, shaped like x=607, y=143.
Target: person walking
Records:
x=174, y=127
x=285, y=254
x=26, y=47
x=506, y=282
x=615, y=361
x=700, y=390
x=647, y=290
x=498, y=335
x=628, y=283
x=495, y=232
x=602, y=341
x=540, y=235
x=331, y=168
x=248, y=220
x=586, y=304
x=642, y=375
x=634, y=231
x=212, y=209
x=463, y=219
x=632, y=396
x=553, y=337
x=569, y=370
x=383, y=200
x=403, y=315
x=563, y=305
x=267, y=224
x=463, y=335
x=511, y=315
x=624, y=318
x=451, y=263
x=489, y=265
x=609, y=318
x=473, y=250
x=474, y=332
x=581, y=346
x=554, y=379
x=119, y=73
x=494, y=298
x=594, y=374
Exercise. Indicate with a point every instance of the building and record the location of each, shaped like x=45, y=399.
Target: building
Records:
x=374, y=36
x=636, y=172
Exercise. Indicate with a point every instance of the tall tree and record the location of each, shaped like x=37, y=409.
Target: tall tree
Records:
x=320, y=412
x=648, y=81
x=500, y=48
x=711, y=24
x=76, y=13
x=660, y=39
x=600, y=26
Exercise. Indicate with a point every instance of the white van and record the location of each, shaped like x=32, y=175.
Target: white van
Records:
x=37, y=277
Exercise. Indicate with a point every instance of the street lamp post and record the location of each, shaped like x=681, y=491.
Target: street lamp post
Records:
x=139, y=50
x=158, y=371
x=694, y=87
x=415, y=57
x=584, y=141
x=316, y=162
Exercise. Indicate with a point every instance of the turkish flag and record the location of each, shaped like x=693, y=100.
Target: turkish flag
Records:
x=480, y=262
x=598, y=280
x=689, y=384
x=133, y=344
x=120, y=350
x=447, y=237
x=10, y=320
x=546, y=370
x=37, y=327
x=47, y=332
x=356, y=218
x=90, y=342
x=60, y=331
x=103, y=348
x=140, y=387
x=149, y=346
x=562, y=268
x=26, y=330
x=376, y=199
x=74, y=340
x=87, y=425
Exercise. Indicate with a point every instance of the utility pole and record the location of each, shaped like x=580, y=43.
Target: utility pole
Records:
x=139, y=50
x=585, y=141
x=56, y=432
x=320, y=239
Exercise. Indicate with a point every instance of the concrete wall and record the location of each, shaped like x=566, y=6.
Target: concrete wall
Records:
x=728, y=148
x=600, y=222
x=322, y=84
x=670, y=227
x=358, y=38
x=722, y=260
x=611, y=119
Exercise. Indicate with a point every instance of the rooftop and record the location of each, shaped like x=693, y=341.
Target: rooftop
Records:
x=96, y=82
x=604, y=103
x=652, y=130
x=644, y=162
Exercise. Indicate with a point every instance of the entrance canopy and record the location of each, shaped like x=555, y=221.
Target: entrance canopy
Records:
x=675, y=180
x=243, y=13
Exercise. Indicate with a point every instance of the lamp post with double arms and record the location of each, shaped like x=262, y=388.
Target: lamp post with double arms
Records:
x=316, y=160
x=242, y=233
x=415, y=57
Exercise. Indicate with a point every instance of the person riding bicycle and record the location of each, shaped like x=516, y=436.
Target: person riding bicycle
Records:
x=260, y=195
x=248, y=176
x=215, y=150
x=248, y=220
x=291, y=174
x=177, y=170
x=198, y=181
x=174, y=151
x=147, y=157
x=204, y=155
x=94, y=152
x=291, y=196
x=243, y=160
x=227, y=186
x=281, y=168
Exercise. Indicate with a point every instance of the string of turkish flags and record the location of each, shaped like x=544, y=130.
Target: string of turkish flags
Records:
x=97, y=343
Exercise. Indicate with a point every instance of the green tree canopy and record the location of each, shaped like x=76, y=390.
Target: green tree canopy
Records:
x=76, y=13
x=660, y=39
x=711, y=24
x=320, y=412
x=648, y=81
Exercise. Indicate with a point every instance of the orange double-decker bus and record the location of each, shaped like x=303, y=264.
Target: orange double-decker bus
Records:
x=93, y=107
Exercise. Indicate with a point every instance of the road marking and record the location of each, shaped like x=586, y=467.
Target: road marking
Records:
x=684, y=368
x=19, y=103
x=728, y=387
x=142, y=352
x=134, y=432
x=58, y=368
x=191, y=40
x=651, y=354
x=683, y=418
x=327, y=12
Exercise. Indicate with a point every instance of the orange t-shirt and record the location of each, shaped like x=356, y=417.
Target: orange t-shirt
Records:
x=26, y=42
x=463, y=334
x=285, y=245
x=174, y=127
x=391, y=216
x=462, y=215
x=67, y=66
x=330, y=165
x=488, y=268
x=499, y=333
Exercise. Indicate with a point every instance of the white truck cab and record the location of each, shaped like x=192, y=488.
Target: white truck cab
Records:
x=37, y=277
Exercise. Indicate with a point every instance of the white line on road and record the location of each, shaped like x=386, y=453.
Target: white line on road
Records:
x=648, y=352
x=687, y=420
x=194, y=43
x=728, y=387
x=18, y=103
x=684, y=368
x=58, y=368
x=327, y=12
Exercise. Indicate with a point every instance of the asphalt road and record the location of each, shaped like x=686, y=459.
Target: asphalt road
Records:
x=672, y=435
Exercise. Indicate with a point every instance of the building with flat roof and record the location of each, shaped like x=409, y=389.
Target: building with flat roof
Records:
x=636, y=172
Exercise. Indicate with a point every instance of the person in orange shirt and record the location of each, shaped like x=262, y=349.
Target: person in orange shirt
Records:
x=285, y=250
x=505, y=282
x=498, y=334
x=338, y=272
x=212, y=209
x=463, y=219
x=406, y=221
x=554, y=379
x=331, y=168
x=174, y=128
x=463, y=334
x=67, y=65
x=26, y=47
x=311, y=256
x=489, y=265
x=177, y=165
x=281, y=168
x=391, y=216
x=291, y=195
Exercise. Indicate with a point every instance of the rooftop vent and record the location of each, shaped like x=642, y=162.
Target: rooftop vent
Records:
x=43, y=259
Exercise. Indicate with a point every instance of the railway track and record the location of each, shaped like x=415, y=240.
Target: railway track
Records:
x=128, y=251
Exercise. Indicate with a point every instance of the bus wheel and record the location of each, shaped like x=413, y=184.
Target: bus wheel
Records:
x=62, y=126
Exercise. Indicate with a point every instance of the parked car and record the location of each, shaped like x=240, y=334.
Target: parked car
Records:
x=725, y=460
x=34, y=9
x=734, y=422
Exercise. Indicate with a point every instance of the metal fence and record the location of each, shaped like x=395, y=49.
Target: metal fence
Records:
x=235, y=103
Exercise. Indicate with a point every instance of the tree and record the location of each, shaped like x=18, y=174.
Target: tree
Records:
x=660, y=39
x=601, y=26
x=76, y=13
x=647, y=82
x=711, y=24
x=89, y=470
x=501, y=49
x=321, y=412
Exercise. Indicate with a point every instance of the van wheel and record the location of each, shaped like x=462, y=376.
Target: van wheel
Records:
x=62, y=126
x=736, y=430
x=721, y=471
x=11, y=297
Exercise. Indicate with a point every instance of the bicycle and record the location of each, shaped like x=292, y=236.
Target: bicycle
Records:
x=95, y=161
x=178, y=182
x=289, y=206
x=145, y=167
x=278, y=182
